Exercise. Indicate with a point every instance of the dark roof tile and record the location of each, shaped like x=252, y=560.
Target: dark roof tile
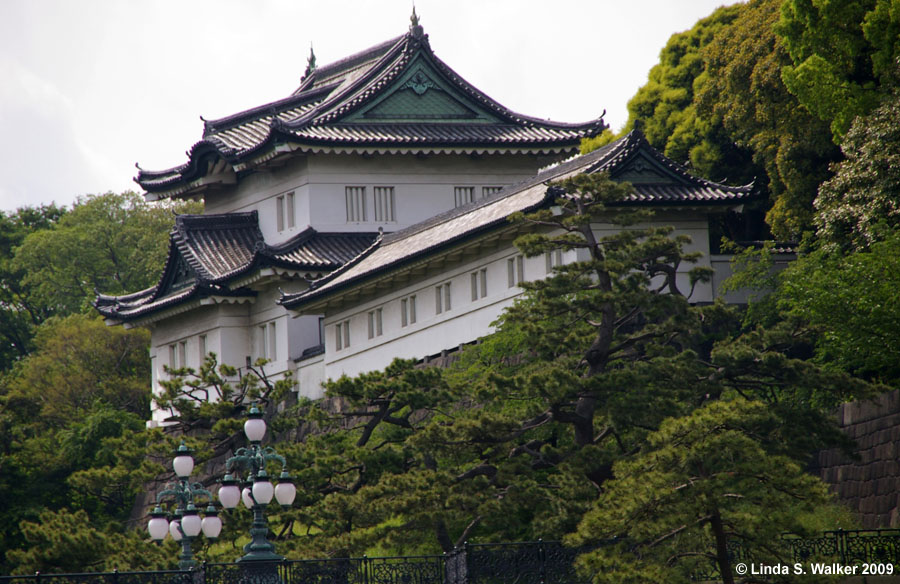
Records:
x=220, y=248
x=313, y=118
x=443, y=230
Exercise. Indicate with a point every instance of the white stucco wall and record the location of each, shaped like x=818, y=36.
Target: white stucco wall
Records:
x=234, y=332
x=467, y=320
x=423, y=187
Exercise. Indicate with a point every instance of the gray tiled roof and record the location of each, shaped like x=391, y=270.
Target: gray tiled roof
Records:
x=667, y=184
x=313, y=118
x=207, y=252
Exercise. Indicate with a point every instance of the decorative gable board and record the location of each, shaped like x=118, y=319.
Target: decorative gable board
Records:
x=421, y=93
x=644, y=169
x=181, y=276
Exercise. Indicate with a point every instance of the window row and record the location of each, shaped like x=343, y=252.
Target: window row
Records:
x=284, y=211
x=178, y=358
x=383, y=204
x=479, y=283
x=465, y=195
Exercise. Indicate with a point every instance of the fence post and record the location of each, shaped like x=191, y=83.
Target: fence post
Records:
x=842, y=545
x=542, y=560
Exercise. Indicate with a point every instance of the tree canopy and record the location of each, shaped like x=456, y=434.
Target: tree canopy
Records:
x=121, y=247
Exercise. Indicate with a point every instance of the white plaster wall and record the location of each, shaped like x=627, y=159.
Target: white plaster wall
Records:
x=423, y=187
x=467, y=320
x=225, y=327
x=310, y=374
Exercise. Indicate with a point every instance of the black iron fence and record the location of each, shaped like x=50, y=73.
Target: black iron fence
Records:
x=509, y=563
x=850, y=547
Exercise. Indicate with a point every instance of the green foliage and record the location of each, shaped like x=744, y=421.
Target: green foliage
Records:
x=666, y=112
x=843, y=56
x=114, y=243
x=76, y=362
x=744, y=89
x=19, y=312
x=591, y=144
x=210, y=398
x=702, y=479
x=71, y=417
x=851, y=301
x=70, y=542
x=861, y=204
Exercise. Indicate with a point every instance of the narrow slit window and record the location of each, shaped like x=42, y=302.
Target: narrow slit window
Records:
x=479, y=284
x=384, y=204
x=375, y=328
x=272, y=343
x=356, y=204
x=463, y=195
x=289, y=209
x=442, y=298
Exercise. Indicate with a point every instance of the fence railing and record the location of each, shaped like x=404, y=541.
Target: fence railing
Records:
x=849, y=547
x=500, y=563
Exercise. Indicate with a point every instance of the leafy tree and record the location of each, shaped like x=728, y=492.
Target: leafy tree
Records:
x=850, y=301
x=78, y=361
x=861, y=204
x=665, y=109
x=518, y=442
x=703, y=482
x=844, y=56
x=19, y=312
x=116, y=243
x=744, y=89
x=69, y=542
x=76, y=403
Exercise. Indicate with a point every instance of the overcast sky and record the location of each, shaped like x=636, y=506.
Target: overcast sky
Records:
x=89, y=87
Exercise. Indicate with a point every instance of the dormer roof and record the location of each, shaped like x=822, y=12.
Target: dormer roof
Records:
x=657, y=181
x=395, y=97
x=214, y=256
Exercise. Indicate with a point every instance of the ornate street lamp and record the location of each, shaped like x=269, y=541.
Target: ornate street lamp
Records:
x=257, y=490
x=186, y=523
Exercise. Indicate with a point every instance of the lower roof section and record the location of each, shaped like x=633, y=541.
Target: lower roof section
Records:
x=657, y=181
x=218, y=256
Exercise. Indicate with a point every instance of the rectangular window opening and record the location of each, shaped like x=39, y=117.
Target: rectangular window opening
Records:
x=272, y=352
x=356, y=203
x=289, y=209
x=279, y=212
x=463, y=195
x=384, y=204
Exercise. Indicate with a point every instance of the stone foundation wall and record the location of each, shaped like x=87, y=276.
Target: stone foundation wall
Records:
x=870, y=485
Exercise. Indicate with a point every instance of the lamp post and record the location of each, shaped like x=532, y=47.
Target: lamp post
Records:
x=186, y=523
x=257, y=490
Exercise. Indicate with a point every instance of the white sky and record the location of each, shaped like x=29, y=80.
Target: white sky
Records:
x=89, y=87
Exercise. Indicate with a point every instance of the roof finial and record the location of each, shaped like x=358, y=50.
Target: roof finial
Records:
x=310, y=62
x=415, y=28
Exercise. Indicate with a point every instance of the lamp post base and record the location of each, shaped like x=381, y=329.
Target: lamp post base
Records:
x=260, y=549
